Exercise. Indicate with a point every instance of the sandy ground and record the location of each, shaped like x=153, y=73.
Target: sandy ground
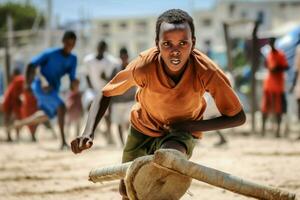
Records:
x=40, y=171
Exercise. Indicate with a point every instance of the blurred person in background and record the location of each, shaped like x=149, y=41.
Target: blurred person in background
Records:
x=53, y=64
x=274, y=100
x=121, y=105
x=18, y=103
x=99, y=69
x=74, y=107
x=296, y=80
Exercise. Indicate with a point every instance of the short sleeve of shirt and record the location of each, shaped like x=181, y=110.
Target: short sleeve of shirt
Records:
x=125, y=79
x=41, y=59
x=217, y=84
x=72, y=70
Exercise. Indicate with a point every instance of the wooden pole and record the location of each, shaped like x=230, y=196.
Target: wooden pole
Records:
x=255, y=63
x=228, y=48
x=218, y=178
x=171, y=160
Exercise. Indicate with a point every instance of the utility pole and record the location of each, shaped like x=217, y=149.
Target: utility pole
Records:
x=228, y=46
x=48, y=41
x=255, y=64
x=8, y=46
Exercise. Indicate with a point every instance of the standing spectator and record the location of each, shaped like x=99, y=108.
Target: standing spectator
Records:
x=74, y=107
x=274, y=101
x=121, y=105
x=99, y=71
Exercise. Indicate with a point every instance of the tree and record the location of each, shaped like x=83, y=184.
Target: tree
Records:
x=24, y=16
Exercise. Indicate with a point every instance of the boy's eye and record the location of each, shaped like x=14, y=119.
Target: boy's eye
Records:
x=166, y=44
x=182, y=43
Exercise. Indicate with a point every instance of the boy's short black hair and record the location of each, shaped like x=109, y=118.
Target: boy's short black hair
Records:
x=123, y=50
x=102, y=45
x=174, y=16
x=69, y=35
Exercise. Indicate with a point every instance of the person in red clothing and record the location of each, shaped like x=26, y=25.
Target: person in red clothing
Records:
x=273, y=101
x=18, y=103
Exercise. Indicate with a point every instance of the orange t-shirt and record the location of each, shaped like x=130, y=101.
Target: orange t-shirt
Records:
x=274, y=82
x=159, y=101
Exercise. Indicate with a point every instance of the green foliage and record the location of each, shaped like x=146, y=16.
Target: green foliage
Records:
x=239, y=59
x=23, y=16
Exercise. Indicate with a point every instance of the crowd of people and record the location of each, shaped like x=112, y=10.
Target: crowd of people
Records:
x=33, y=97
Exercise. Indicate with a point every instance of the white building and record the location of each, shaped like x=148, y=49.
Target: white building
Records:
x=138, y=33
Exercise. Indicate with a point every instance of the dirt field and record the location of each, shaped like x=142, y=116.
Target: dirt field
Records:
x=39, y=171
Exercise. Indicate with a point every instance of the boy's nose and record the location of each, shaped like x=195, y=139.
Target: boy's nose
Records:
x=175, y=52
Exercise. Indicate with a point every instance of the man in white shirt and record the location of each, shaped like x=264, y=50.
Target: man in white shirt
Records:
x=99, y=68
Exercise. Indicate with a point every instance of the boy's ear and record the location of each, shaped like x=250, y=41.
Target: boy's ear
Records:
x=156, y=44
x=193, y=42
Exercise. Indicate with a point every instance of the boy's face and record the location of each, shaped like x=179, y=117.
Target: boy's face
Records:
x=175, y=45
x=69, y=44
x=124, y=57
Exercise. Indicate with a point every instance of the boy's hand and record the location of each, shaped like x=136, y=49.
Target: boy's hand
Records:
x=179, y=126
x=47, y=89
x=81, y=143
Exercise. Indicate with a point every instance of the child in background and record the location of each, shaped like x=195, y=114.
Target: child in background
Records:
x=121, y=105
x=74, y=107
x=18, y=103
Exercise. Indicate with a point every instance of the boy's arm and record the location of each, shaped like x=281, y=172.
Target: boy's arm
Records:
x=294, y=81
x=89, y=82
x=29, y=75
x=221, y=122
x=98, y=108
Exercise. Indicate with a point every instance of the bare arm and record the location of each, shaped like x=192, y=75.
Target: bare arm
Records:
x=98, y=108
x=294, y=81
x=29, y=75
x=279, y=68
x=88, y=80
x=221, y=122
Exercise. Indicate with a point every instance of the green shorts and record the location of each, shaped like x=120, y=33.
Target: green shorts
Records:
x=139, y=144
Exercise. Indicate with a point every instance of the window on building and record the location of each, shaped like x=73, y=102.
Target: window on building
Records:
x=261, y=16
x=141, y=46
x=141, y=27
x=105, y=25
x=295, y=3
x=207, y=22
x=123, y=25
x=105, y=29
x=282, y=5
x=231, y=9
x=244, y=14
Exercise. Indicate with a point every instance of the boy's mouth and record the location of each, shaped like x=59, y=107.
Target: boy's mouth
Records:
x=175, y=61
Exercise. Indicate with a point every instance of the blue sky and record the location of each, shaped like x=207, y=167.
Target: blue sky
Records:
x=69, y=10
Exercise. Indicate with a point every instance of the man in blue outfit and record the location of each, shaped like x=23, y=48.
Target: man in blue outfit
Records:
x=53, y=64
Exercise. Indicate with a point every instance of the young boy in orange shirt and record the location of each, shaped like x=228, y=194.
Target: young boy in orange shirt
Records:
x=171, y=79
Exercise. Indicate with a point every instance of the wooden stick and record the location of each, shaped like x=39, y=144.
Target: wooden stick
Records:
x=172, y=160
x=168, y=159
x=109, y=173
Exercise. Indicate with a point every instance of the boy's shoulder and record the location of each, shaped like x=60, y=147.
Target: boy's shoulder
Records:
x=52, y=50
x=147, y=58
x=203, y=64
